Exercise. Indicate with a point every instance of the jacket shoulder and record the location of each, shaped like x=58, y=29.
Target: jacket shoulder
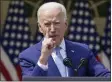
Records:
x=78, y=44
x=31, y=52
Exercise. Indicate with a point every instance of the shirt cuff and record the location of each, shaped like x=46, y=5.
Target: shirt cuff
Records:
x=44, y=67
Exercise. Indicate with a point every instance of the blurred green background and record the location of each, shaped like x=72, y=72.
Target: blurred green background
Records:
x=98, y=7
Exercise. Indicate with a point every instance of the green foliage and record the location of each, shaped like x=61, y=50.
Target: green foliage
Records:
x=102, y=9
x=69, y=4
x=28, y=9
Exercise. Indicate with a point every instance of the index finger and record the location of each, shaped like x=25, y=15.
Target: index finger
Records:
x=47, y=34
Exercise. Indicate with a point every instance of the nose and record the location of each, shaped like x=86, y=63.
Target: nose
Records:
x=53, y=29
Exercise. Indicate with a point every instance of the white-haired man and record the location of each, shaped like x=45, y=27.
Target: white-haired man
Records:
x=54, y=55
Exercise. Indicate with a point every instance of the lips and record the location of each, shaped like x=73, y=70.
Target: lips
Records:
x=53, y=36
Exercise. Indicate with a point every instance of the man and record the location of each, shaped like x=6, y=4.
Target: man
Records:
x=46, y=57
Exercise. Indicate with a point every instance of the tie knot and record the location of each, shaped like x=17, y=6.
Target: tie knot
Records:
x=58, y=48
x=58, y=51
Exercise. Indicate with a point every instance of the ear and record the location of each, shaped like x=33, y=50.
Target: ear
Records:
x=40, y=28
x=66, y=24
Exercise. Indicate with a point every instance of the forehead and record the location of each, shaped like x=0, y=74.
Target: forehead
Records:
x=52, y=14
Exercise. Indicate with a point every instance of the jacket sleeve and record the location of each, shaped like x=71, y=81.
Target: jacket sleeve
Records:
x=96, y=68
x=29, y=68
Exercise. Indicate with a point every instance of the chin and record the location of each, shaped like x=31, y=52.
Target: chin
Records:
x=56, y=42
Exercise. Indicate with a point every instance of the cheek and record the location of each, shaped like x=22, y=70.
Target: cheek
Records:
x=43, y=31
x=62, y=31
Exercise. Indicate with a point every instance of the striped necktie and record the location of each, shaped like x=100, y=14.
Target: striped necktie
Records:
x=60, y=64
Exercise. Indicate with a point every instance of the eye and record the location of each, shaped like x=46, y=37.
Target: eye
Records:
x=47, y=24
x=56, y=23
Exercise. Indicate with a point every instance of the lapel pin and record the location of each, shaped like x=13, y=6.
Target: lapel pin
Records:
x=72, y=51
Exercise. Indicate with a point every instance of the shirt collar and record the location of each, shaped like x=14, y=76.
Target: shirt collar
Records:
x=62, y=45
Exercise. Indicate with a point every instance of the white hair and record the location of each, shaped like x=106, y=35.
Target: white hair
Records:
x=51, y=5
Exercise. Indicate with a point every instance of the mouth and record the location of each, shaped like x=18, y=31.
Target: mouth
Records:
x=53, y=36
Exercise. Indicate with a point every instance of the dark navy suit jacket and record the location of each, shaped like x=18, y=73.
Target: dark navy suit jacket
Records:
x=75, y=51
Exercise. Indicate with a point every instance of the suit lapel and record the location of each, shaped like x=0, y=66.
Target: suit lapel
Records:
x=70, y=54
x=52, y=70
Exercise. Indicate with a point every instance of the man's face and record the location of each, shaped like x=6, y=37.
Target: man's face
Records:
x=52, y=23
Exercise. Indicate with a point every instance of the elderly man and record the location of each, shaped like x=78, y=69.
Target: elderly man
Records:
x=54, y=55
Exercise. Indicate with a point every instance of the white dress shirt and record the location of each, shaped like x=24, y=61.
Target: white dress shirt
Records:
x=64, y=73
